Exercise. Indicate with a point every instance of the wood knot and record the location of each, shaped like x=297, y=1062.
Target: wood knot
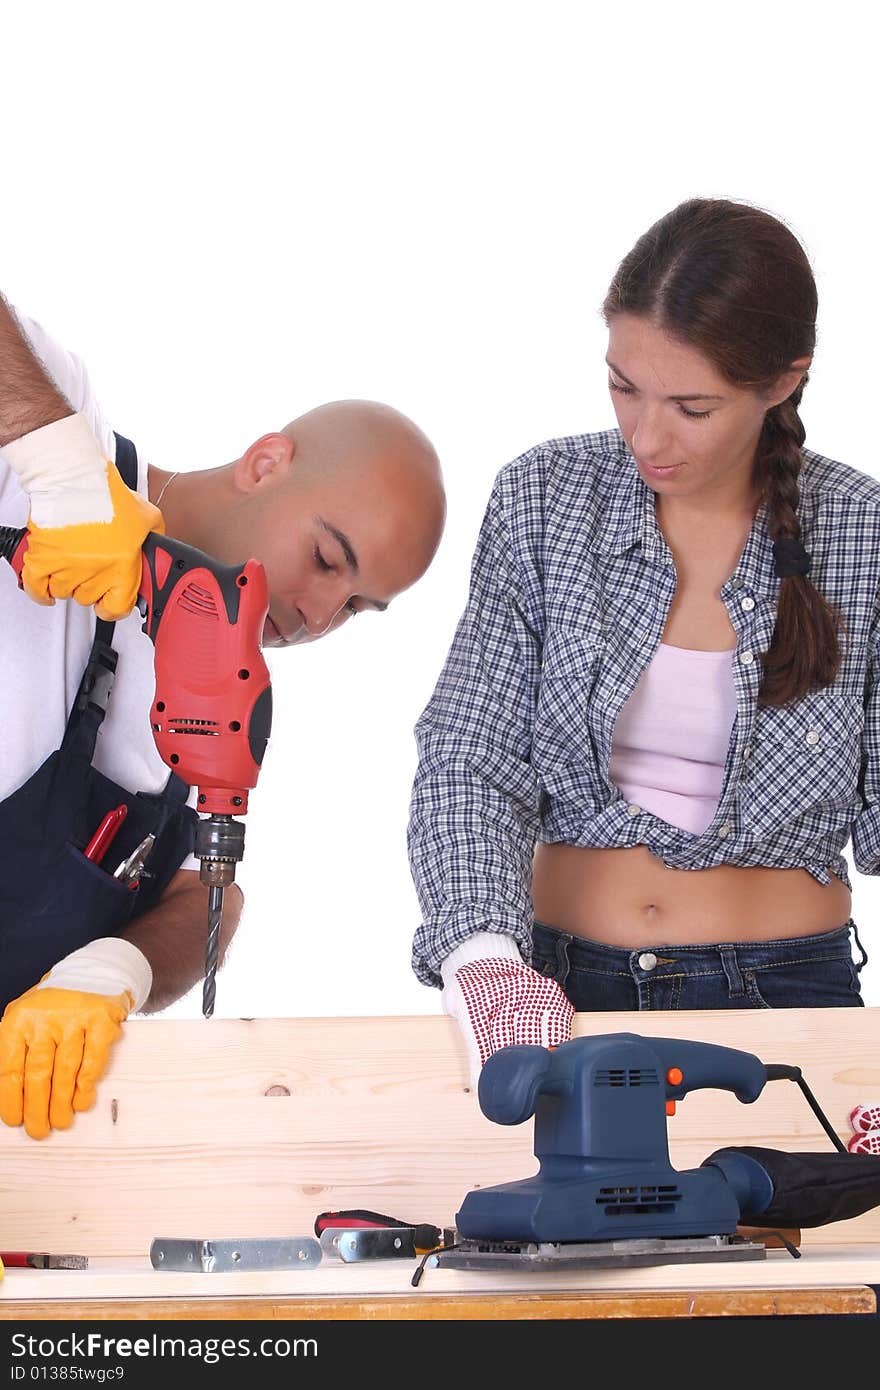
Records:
x=277, y=1091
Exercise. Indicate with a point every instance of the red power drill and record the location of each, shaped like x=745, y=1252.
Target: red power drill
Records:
x=212, y=711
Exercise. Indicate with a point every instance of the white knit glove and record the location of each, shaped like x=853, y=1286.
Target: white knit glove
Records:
x=865, y=1120
x=497, y=1000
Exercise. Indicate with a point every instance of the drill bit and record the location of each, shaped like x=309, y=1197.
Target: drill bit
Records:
x=219, y=846
x=212, y=951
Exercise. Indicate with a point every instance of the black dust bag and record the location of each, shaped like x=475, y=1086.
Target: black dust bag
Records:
x=812, y=1189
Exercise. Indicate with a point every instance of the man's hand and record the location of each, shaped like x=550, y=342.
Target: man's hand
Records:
x=55, y=1040
x=171, y=936
x=54, y=1046
x=499, y=1000
x=86, y=528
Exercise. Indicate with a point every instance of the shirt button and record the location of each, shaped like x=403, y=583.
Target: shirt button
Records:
x=747, y=605
x=747, y=658
x=812, y=736
x=647, y=960
x=736, y=582
x=723, y=831
x=633, y=810
x=747, y=753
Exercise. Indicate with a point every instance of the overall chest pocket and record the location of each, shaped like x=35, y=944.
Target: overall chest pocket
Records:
x=564, y=750
x=804, y=759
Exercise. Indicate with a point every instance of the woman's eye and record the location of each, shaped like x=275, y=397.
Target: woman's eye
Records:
x=319, y=559
x=691, y=414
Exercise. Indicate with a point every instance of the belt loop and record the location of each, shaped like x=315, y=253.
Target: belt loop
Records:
x=863, y=952
x=730, y=964
x=563, y=965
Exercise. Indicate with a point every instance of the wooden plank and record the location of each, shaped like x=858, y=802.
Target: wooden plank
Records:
x=477, y=1307
x=245, y=1128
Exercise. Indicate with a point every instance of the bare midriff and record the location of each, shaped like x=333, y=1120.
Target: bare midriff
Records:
x=629, y=898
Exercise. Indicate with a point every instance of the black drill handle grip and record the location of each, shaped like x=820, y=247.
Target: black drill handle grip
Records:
x=13, y=544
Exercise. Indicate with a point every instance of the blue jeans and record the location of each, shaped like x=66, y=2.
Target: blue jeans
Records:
x=800, y=972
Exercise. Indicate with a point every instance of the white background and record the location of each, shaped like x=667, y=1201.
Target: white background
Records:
x=234, y=213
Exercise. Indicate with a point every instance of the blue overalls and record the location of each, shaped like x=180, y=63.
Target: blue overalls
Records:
x=52, y=899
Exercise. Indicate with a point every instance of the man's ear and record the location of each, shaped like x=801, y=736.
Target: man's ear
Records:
x=264, y=464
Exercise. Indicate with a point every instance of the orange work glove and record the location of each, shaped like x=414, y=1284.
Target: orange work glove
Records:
x=86, y=528
x=55, y=1039
x=54, y=1046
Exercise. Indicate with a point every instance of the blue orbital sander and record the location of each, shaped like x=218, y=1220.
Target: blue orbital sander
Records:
x=606, y=1193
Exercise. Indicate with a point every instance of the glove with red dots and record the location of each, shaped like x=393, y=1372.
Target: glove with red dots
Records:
x=865, y=1120
x=497, y=1000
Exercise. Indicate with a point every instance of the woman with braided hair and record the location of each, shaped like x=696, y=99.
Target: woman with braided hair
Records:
x=658, y=725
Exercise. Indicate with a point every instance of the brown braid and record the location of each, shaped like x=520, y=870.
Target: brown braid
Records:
x=805, y=652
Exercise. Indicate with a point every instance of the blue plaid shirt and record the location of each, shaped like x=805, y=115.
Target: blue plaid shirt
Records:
x=571, y=585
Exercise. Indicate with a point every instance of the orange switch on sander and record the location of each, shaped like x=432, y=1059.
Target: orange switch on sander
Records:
x=675, y=1078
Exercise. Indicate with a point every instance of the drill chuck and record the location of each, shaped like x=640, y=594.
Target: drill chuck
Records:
x=219, y=847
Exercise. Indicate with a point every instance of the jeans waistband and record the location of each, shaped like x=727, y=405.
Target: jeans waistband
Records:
x=702, y=956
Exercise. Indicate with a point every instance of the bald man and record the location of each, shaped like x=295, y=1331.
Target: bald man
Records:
x=344, y=507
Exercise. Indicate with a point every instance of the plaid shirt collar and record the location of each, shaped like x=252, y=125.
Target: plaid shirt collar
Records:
x=632, y=520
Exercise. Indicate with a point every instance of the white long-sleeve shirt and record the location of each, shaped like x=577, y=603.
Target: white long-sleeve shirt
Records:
x=45, y=650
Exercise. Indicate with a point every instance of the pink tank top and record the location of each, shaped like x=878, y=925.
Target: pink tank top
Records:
x=672, y=735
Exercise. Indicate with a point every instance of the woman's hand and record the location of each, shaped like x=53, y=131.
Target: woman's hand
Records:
x=498, y=1001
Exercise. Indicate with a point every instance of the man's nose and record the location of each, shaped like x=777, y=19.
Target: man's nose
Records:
x=323, y=614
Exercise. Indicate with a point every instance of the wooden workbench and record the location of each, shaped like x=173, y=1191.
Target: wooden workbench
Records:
x=249, y=1128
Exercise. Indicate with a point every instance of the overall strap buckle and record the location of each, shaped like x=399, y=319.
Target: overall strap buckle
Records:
x=97, y=683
